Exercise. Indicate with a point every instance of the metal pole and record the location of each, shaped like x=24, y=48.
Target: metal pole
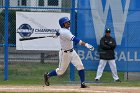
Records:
x=42, y=58
x=72, y=28
x=6, y=41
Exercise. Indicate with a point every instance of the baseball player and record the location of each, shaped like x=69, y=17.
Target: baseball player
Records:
x=107, y=46
x=67, y=53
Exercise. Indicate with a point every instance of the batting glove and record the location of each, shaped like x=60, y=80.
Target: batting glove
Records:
x=56, y=34
x=90, y=47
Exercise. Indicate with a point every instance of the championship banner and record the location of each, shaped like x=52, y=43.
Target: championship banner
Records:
x=36, y=30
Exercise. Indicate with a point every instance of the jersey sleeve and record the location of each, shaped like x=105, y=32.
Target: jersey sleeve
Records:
x=69, y=36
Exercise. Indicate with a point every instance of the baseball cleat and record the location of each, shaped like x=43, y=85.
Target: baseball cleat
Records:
x=118, y=80
x=46, y=79
x=83, y=85
x=97, y=80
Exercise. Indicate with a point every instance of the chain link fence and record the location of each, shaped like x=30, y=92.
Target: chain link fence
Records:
x=28, y=64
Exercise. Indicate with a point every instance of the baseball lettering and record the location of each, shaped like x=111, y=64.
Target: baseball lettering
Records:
x=122, y=56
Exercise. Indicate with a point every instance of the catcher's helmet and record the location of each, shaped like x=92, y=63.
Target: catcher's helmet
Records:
x=63, y=20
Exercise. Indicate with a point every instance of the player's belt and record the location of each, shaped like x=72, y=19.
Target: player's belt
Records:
x=70, y=50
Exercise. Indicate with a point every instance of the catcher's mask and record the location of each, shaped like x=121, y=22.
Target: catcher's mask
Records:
x=62, y=21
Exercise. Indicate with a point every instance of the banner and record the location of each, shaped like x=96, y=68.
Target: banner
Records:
x=122, y=17
x=35, y=30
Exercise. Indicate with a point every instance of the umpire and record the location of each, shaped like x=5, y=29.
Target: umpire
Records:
x=106, y=51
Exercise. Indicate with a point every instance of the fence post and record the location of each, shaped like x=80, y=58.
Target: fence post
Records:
x=72, y=30
x=6, y=41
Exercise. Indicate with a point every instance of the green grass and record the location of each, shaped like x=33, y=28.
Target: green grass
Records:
x=32, y=74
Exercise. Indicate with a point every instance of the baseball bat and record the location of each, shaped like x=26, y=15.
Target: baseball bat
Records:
x=31, y=38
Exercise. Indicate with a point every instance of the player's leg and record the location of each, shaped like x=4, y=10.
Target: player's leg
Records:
x=63, y=65
x=101, y=66
x=76, y=61
x=113, y=68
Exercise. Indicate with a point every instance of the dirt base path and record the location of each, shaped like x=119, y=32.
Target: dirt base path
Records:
x=68, y=88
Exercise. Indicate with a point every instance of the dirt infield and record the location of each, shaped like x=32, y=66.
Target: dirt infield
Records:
x=68, y=88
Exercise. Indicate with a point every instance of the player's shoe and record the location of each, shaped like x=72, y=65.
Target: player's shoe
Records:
x=118, y=80
x=46, y=79
x=97, y=80
x=83, y=85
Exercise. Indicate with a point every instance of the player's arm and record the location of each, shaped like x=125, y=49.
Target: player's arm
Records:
x=80, y=42
x=104, y=45
x=112, y=43
x=56, y=34
x=71, y=37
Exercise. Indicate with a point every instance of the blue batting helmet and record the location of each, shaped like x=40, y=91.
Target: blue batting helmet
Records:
x=63, y=20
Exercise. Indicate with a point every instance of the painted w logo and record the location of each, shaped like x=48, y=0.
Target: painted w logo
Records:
x=100, y=13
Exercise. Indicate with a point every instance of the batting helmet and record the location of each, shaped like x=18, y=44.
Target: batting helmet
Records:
x=63, y=20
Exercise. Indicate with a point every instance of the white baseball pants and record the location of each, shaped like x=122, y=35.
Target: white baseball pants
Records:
x=66, y=58
x=102, y=65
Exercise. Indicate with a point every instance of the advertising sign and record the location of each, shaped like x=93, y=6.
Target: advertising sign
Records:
x=36, y=30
